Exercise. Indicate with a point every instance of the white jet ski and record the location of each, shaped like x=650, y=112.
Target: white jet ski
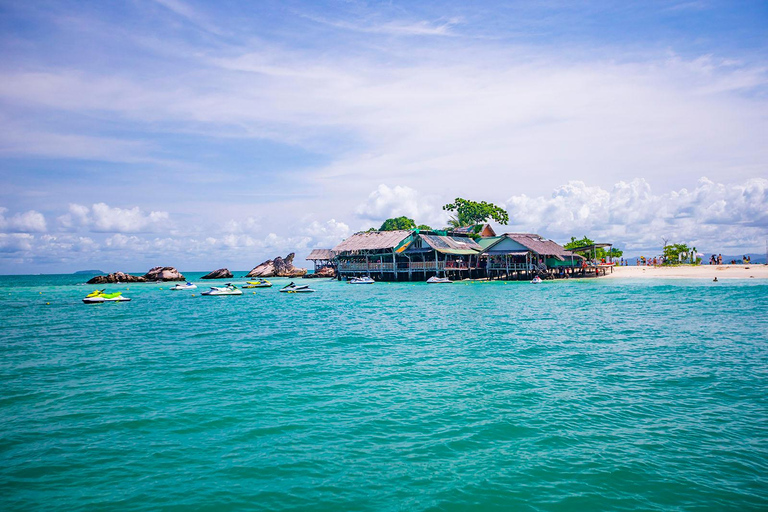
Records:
x=361, y=280
x=292, y=288
x=438, y=280
x=186, y=286
x=229, y=289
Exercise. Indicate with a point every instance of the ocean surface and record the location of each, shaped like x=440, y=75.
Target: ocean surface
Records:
x=571, y=395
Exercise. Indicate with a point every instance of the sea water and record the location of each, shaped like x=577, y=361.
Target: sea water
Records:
x=570, y=395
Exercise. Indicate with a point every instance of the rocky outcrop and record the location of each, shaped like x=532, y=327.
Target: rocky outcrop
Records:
x=278, y=267
x=222, y=273
x=322, y=272
x=117, y=277
x=164, y=274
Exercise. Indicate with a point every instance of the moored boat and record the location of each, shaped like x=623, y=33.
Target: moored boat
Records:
x=261, y=283
x=229, y=289
x=185, y=286
x=292, y=288
x=438, y=280
x=98, y=296
x=361, y=280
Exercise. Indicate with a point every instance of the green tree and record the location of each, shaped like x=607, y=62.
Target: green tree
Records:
x=423, y=227
x=675, y=254
x=600, y=253
x=398, y=223
x=468, y=213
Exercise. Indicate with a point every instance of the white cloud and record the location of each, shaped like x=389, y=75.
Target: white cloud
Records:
x=386, y=202
x=27, y=222
x=325, y=234
x=101, y=218
x=711, y=216
x=15, y=242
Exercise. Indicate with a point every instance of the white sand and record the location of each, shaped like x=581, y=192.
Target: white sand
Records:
x=756, y=271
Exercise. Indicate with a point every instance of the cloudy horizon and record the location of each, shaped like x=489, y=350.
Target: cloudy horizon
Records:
x=180, y=133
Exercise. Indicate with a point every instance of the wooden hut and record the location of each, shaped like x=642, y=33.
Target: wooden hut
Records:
x=321, y=258
x=523, y=255
x=412, y=255
x=432, y=254
x=370, y=252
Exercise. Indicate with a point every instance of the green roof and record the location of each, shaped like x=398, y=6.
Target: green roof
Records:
x=485, y=242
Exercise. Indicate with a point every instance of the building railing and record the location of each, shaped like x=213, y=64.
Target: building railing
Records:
x=513, y=267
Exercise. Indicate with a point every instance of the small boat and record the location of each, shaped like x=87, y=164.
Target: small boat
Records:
x=292, y=288
x=536, y=280
x=186, y=286
x=229, y=289
x=438, y=280
x=361, y=280
x=261, y=283
x=99, y=296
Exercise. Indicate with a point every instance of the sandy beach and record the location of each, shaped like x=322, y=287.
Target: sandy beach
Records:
x=755, y=271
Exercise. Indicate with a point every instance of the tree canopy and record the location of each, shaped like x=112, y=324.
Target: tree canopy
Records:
x=469, y=213
x=398, y=223
x=679, y=253
x=599, y=252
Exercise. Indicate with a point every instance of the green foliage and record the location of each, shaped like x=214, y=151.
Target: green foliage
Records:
x=600, y=253
x=578, y=243
x=468, y=213
x=398, y=223
x=675, y=254
x=423, y=227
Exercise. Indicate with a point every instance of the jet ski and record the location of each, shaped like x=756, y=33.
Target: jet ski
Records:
x=361, y=280
x=261, y=283
x=229, y=289
x=186, y=286
x=536, y=280
x=438, y=280
x=98, y=296
x=292, y=288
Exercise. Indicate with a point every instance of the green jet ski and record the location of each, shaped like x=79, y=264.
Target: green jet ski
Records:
x=98, y=296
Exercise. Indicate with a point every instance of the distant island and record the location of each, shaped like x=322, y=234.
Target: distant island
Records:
x=90, y=272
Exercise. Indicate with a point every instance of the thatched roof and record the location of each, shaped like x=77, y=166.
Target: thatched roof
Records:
x=372, y=240
x=452, y=245
x=537, y=244
x=320, y=254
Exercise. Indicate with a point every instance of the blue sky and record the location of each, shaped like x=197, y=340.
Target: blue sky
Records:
x=202, y=135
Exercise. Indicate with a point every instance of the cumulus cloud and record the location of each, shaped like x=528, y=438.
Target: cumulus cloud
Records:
x=325, y=234
x=101, y=218
x=27, y=222
x=709, y=216
x=12, y=243
x=386, y=202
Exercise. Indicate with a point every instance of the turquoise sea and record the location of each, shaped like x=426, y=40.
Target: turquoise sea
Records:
x=572, y=395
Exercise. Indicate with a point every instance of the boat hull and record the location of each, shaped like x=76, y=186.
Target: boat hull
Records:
x=99, y=300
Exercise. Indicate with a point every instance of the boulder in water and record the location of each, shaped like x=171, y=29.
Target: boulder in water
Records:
x=326, y=271
x=164, y=274
x=116, y=277
x=222, y=273
x=278, y=267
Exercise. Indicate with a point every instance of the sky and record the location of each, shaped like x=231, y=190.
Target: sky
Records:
x=204, y=135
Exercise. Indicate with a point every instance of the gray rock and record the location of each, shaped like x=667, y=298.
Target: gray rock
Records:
x=164, y=274
x=222, y=273
x=278, y=267
x=117, y=277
